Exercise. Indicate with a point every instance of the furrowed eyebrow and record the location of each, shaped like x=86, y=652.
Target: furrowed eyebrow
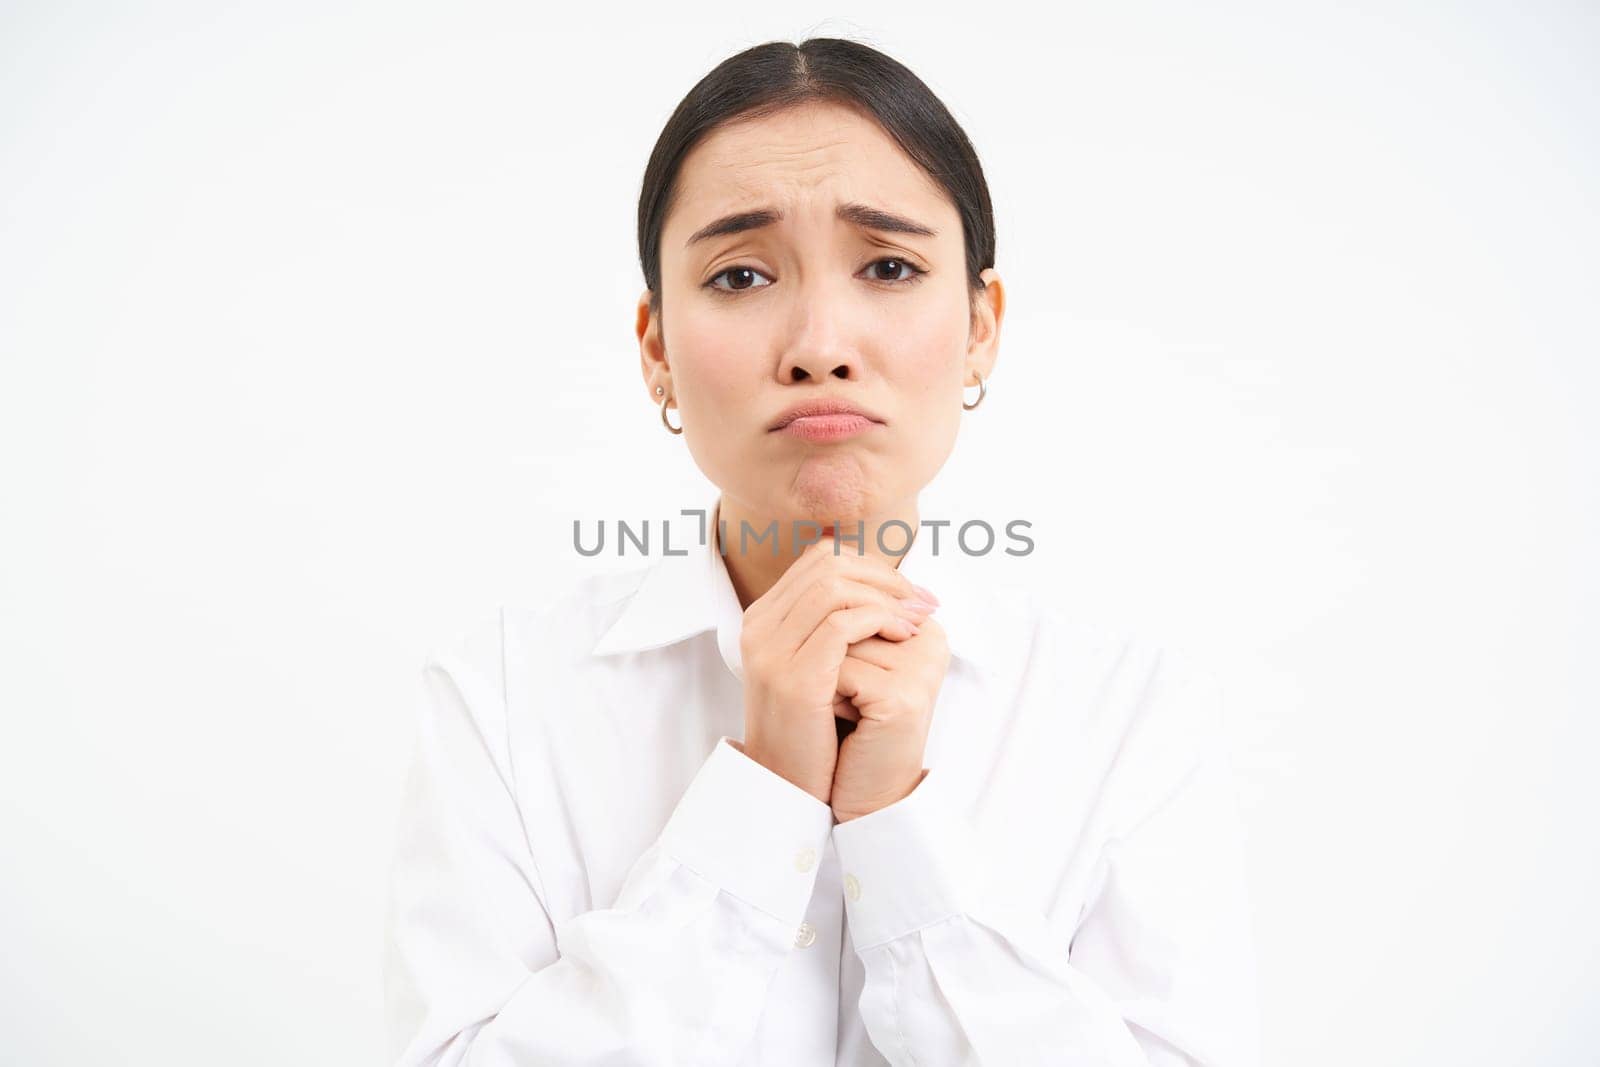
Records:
x=863, y=215
x=736, y=223
x=871, y=218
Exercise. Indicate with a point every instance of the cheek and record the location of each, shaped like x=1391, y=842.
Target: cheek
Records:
x=929, y=348
x=929, y=360
x=709, y=360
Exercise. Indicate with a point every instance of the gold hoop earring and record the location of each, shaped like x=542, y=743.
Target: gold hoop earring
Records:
x=674, y=429
x=983, y=391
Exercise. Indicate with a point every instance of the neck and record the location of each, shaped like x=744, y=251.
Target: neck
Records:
x=755, y=568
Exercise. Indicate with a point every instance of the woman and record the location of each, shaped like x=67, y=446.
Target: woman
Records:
x=779, y=802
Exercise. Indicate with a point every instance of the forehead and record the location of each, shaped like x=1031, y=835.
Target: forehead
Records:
x=805, y=157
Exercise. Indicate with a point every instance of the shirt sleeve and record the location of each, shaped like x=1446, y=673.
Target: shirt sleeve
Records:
x=1160, y=970
x=675, y=970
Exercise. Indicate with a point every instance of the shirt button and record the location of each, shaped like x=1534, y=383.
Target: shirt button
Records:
x=805, y=860
x=852, y=888
x=806, y=935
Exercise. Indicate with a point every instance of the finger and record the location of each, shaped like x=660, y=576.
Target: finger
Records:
x=831, y=593
x=865, y=685
x=767, y=613
x=824, y=649
x=881, y=652
x=819, y=559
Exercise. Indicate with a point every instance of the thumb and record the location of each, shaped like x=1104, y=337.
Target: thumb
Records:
x=843, y=709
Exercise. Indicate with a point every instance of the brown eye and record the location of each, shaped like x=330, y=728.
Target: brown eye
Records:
x=895, y=265
x=739, y=278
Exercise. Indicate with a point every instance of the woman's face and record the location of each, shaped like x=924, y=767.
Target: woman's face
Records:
x=815, y=305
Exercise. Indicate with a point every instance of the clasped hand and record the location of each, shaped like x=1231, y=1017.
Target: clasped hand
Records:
x=847, y=636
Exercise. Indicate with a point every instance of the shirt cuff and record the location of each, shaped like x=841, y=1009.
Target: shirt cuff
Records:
x=907, y=865
x=751, y=832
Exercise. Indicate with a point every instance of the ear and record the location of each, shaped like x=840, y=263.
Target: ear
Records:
x=983, y=339
x=652, y=351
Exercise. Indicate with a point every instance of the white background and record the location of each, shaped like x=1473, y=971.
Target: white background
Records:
x=316, y=335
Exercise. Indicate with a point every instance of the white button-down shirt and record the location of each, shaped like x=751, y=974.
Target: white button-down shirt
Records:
x=591, y=871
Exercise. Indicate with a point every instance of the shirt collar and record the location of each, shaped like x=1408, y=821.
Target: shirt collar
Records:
x=689, y=592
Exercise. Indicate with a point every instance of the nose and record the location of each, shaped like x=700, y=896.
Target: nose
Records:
x=820, y=345
x=805, y=362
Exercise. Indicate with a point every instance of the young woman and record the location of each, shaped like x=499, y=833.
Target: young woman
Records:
x=816, y=801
